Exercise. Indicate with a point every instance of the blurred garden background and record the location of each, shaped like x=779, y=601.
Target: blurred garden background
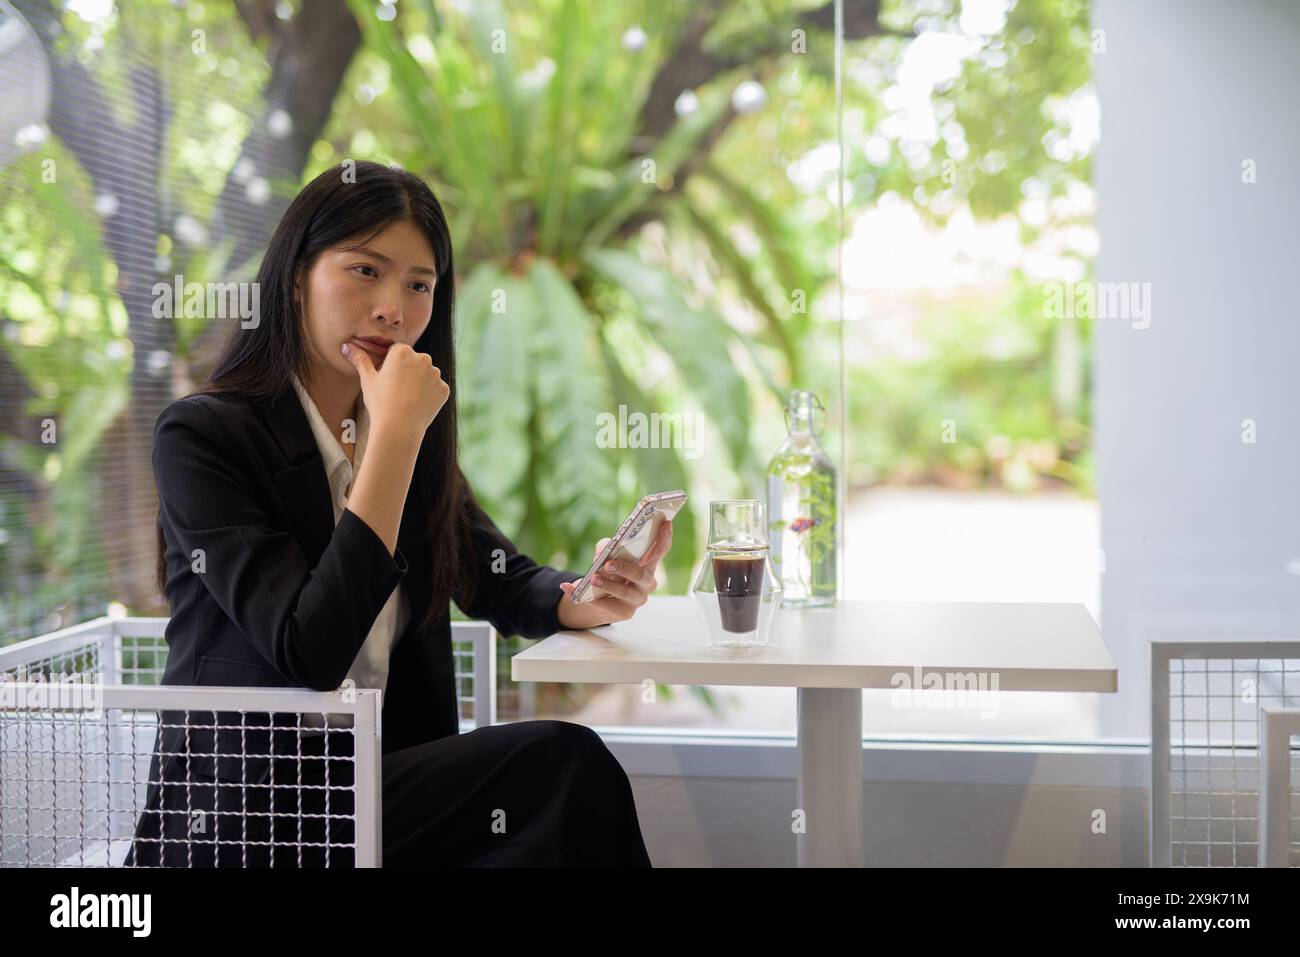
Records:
x=658, y=189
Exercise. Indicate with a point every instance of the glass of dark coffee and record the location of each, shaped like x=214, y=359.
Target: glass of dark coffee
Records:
x=739, y=577
x=736, y=590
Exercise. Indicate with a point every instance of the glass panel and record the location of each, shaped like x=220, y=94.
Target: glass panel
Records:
x=714, y=297
x=644, y=204
x=970, y=129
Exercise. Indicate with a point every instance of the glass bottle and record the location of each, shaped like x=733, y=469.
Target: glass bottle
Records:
x=801, y=506
x=736, y=590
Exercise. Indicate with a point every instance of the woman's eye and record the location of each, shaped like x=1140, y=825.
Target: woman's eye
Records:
x=425, y=285
x=365, y=266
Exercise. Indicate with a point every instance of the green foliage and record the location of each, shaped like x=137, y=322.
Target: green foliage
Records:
x=70, y=348
x=986, y=383
x=567, y=306
x=997, y=117
x=562, y=312
x=998, y=368
x=67, y=330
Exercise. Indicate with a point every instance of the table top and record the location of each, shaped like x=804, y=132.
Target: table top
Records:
x=1054, y=646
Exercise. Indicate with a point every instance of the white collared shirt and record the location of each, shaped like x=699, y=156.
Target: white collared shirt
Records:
x=370, y=669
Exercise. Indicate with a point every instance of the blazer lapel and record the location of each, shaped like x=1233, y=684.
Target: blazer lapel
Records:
x=305, y=492
x=301, y=483
x=413, y=541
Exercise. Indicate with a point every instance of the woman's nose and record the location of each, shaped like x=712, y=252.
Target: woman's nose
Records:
x=389, y=312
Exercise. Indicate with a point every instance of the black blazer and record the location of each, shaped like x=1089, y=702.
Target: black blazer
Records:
x=284, y=598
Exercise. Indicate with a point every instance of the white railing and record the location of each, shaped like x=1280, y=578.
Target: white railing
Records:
x=132, y=651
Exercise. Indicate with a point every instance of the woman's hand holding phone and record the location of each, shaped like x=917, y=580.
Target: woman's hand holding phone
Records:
x=629, y=584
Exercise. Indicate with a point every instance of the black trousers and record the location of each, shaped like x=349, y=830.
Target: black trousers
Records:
x=526, y=794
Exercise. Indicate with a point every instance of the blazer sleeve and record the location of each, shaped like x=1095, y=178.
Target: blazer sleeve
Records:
x=310, y=623
x=513, y=592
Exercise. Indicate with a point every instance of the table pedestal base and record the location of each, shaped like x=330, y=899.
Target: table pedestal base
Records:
x=830, y=777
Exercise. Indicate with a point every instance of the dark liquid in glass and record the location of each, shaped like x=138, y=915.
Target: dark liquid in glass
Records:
x=740, y=589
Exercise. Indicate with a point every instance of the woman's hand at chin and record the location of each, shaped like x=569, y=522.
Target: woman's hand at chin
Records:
x=629, y=584
x=405, y=393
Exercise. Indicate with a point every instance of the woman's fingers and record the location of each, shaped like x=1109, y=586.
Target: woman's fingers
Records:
x=663, y=542
x=623, y=570
x=621, y=588
x=627, y=583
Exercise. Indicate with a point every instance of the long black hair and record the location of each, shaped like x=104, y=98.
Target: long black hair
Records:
x=346, y=206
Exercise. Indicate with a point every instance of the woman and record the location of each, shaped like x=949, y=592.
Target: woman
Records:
x=313, y=527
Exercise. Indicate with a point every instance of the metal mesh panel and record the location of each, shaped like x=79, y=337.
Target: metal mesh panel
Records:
x=74, y=784
x=141, y=660
x=300, y=813
x=474, y=658
x=133, y=651
x=83, y=660
x=248, y=779
x=1205, y=749
x=62, y=801
x=243, y=782
x=463, y=661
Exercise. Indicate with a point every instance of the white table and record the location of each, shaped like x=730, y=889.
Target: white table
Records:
x=830, y=655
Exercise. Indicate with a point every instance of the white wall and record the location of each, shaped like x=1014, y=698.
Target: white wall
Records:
x=1197, y=526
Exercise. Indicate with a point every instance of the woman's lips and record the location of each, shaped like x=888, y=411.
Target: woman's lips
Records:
x=373, y=348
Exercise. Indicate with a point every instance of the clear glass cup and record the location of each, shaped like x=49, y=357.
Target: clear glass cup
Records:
x=736, y=591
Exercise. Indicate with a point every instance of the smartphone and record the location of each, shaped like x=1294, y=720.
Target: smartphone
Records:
x=632, y=540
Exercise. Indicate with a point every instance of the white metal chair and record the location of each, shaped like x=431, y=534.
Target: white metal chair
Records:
x=1276, y=785
x=1216, y=707
x=75, y=758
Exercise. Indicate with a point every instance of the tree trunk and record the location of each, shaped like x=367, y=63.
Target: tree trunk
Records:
x=309, y=56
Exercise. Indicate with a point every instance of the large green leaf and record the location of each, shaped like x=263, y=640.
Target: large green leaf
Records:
x=697, y=341
x=576, y=479
x=473, y=299
x=781, y=243
x=659, y=470
x=562, y=121
x=409, y=79
x=632, y=192
x=742, y=271
x=485, y=17
x=491, y=372
x=458, y=129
